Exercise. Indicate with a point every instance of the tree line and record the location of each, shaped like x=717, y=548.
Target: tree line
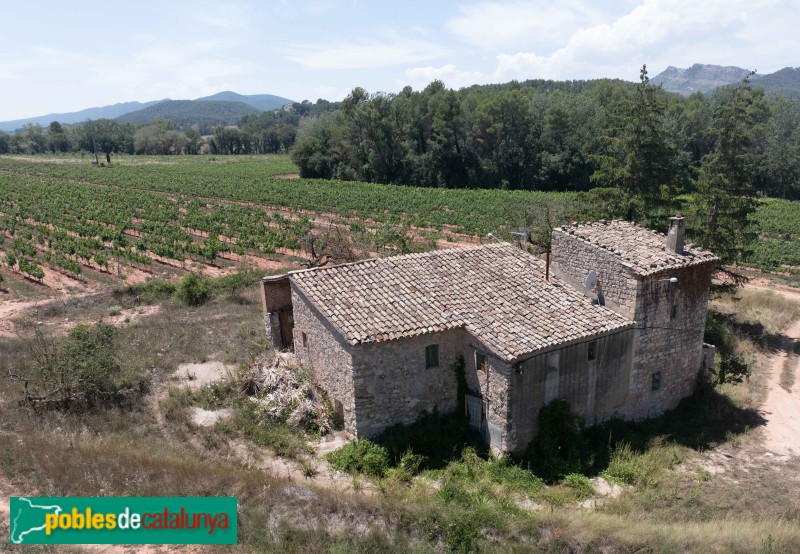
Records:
x=544, y=135
x=265, y=133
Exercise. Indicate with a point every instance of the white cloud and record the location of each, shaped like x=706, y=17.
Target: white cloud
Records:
x=657, y=32
x=537, y=24
x=364, y=55
x=420, y=77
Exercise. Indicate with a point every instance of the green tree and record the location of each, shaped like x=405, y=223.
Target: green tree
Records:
x=781, y=167
x=641, y=157
x=726, y=195
x=58, y=139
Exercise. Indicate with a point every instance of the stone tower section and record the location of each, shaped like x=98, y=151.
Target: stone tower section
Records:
x=655, y=280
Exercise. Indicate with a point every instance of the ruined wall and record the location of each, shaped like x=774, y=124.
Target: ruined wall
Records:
x=671, y=346
x=392, y=384
x=320, y=348
x=276, y=296
x=572, y=258
x=595, y=389
x=492, y=383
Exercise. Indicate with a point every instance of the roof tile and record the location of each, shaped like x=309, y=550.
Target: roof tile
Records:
x=496, y=291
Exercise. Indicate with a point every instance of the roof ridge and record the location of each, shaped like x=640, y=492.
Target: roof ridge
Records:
x=441, y=251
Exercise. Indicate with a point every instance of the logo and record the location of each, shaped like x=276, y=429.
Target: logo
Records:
x=122, y=520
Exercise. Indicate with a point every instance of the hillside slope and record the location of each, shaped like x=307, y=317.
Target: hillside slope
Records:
x=203, y=113
x=263, y=102
x=110, y=112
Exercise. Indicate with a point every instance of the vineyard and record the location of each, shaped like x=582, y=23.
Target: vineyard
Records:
x=66, y=216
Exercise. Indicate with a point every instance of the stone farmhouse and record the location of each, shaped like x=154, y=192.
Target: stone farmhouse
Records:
x=616, y=330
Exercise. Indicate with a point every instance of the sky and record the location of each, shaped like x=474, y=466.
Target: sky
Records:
x=58, y=57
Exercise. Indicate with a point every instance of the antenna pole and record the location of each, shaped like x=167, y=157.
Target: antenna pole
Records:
x=547, y=264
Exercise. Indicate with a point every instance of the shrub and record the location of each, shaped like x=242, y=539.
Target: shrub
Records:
x=580, y=484
x=77, y=373
x=732, y=369
x=360, y=456
x=194, y=289
x=561, y=447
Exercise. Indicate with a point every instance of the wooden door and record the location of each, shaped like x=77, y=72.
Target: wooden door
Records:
x=286, y=323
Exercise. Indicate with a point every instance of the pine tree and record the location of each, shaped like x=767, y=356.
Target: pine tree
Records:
x=641, y=159
x=726, y=194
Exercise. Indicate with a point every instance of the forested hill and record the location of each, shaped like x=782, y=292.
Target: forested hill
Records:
x=548, y=85
x=183, y=113
x=263, y=102
x=110, y=112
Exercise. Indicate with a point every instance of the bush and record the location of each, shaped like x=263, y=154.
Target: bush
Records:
x=561, y=447
x=580, y=484
x=77, y=373
x=194, y=289
x=360, y=456
x=732, y=369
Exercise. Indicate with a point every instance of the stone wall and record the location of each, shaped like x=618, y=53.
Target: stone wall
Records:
x=666, y=346
x=392, y=384
x=320, y=348
x=491, y=383
x=595, y=389
x=573, y=258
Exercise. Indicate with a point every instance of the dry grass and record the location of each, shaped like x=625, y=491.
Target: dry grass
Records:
x=771, y=311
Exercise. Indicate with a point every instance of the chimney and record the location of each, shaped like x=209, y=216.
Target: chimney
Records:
x=676, y=234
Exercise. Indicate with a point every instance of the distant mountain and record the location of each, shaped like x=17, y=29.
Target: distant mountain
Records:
x=109, y=112
x=263, y=102
x=785, y=82
x=205, y=113
x=698, y=78
x=706, y=77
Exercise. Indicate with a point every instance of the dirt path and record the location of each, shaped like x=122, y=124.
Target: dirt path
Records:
x=781, y=408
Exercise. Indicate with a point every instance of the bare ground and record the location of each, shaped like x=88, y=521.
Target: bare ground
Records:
x=782, y=407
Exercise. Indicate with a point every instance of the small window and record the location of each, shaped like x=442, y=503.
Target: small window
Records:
x=480, y=361
x=656, y=385
x=674, y=312
x=432, y=356
x=305, y=340
x=592, y=350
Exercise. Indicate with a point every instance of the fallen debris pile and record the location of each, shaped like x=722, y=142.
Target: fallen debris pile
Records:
x=288, y=394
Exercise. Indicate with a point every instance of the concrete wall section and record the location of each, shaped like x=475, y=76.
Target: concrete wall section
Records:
x=595, y=389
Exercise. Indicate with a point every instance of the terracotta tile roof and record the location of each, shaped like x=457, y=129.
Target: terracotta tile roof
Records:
x=496, y=291
x=642, y=250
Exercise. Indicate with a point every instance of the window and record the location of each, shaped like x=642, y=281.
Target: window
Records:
x=674, y=312
x=305, y=340
x=592, y=350
x=480, y=361
x=432, y=356
x=656, y=385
